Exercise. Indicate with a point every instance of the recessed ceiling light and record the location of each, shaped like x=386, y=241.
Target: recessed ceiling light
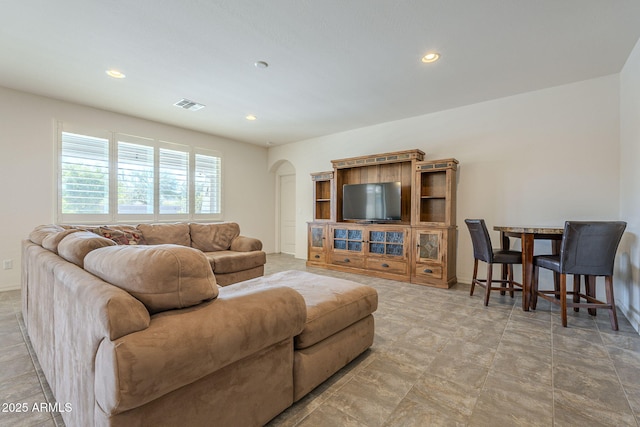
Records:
x=261, y=64
x=115, y=74
x=251, y=117
x=431, y=57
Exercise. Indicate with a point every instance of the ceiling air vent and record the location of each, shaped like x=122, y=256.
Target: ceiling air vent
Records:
x=189, y=105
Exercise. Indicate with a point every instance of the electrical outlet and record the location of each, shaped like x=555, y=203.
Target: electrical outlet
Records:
x=7, y=264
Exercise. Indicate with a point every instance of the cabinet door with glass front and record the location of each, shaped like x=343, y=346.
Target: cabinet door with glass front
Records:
x=430, y=255
x=347, y=245
x=387, y=249
x=317, y=239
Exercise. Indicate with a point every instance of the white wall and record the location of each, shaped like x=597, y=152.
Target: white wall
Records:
x=627, y=283
x=27, y=158
x=537, y=158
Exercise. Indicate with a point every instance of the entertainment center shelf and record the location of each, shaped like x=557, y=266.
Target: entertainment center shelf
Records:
x=417, y=246
x=322, y=199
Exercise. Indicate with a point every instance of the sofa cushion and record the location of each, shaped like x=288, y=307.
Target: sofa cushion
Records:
x=121, y=234
x=231, y=261
x=159, y=234
x=246, y=244
x=213, y=237
x=40, y=232
x=332, y=304
x=75, y=246
x=162, y=277
x=182, y=347
x=52, y=240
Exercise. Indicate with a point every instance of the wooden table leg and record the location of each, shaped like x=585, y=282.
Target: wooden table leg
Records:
x=527, y=269
x=504, y=245
x=555, y=250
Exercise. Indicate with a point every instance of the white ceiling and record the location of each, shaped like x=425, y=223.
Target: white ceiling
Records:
x=334, y=64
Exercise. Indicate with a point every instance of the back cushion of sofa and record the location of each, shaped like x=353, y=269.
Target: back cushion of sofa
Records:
x=160, y=234
x=75, y=247
x=40, y=232
x=52, y=241
x=162, y=277
x=213, y=237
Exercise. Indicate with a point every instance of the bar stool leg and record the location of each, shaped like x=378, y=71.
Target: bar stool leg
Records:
x=475, y=277
x=591, y=291
x=613, y=317
x=563, y=298
x=504, y=277
x=487, y=290
x=576, y=290
x=510, y=275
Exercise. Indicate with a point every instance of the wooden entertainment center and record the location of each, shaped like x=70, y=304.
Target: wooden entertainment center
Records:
x=419, y=248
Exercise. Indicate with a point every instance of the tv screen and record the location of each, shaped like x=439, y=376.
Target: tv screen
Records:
x=371, y=202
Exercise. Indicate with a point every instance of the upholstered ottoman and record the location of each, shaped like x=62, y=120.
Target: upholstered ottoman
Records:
x=338, y=328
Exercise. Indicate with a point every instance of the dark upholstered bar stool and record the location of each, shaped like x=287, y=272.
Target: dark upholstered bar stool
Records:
x=588, y=249
x=483, y=251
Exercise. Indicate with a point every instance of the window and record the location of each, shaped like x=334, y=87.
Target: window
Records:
x=174, y=182
x=84, y=181
x=135, y=178
x=112, y=177
x=207, y=180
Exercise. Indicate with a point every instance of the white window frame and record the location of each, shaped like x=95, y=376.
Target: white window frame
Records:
x=113, y=217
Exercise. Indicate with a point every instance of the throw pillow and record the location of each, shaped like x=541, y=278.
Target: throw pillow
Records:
x=122, y=235
x=213, y=237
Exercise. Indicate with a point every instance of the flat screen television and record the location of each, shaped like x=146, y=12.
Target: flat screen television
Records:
x=372, y=202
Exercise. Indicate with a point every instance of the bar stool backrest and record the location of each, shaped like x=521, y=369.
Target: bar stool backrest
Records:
x=481, y=240
x=589, y=247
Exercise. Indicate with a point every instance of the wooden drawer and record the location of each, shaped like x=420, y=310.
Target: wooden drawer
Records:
x=387, y=266
x=433, y=271
x=317, y=256
x=347, y=260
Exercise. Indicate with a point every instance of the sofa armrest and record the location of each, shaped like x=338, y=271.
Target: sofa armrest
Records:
x=245, y=244
x=182, y=346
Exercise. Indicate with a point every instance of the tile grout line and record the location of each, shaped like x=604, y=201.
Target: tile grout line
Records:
x=624, y=389
x=491, y=367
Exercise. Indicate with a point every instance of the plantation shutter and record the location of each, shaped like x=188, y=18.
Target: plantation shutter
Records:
x=105, y=177
x=207, y=184
x=174, y=181
x=84, y=174
x=135, y=178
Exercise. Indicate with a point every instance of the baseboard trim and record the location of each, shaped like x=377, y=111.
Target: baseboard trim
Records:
x=9, y=287
x=632, y=315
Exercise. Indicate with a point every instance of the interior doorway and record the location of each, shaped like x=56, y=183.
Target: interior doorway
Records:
x=286, y=208
x=288, y=214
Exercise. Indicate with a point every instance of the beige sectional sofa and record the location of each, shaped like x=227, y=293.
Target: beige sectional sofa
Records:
x=233, y=257
x=132, y=335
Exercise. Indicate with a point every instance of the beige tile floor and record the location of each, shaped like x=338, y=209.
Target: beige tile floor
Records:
x=440, y=358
